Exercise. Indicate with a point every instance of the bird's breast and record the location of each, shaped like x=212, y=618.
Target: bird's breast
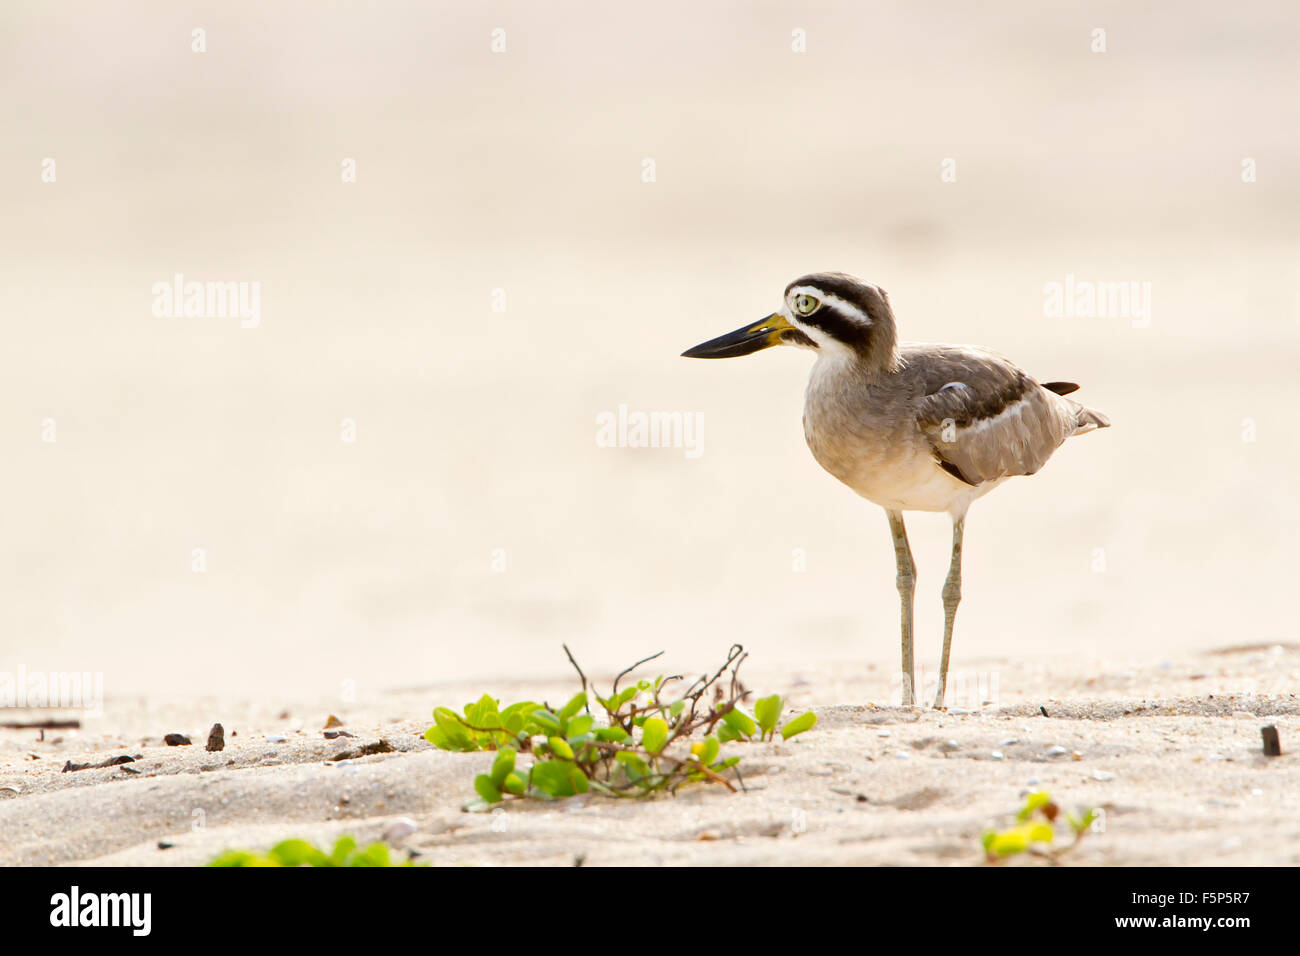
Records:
x=867, y=437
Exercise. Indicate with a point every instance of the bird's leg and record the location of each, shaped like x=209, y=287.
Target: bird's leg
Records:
x=951, y=598
x=906, y=588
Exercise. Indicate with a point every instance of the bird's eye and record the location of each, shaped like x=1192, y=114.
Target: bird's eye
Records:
x=806, y=304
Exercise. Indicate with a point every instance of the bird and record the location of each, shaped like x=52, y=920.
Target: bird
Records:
x=909, y=426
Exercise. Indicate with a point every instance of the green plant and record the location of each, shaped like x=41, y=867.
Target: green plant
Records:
x=1036, y=823
x=767, y=711
x=302, y=853
x=641, y=746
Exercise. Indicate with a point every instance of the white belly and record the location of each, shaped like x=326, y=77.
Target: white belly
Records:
x=907, y=481
x=882, y=455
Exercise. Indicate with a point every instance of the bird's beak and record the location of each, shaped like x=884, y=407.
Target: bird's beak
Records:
x=752, y=338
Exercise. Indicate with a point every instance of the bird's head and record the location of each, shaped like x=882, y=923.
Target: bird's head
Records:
x=829, y=312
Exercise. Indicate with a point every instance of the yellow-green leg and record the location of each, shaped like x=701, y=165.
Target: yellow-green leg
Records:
x=951, y=598
x=906, y=590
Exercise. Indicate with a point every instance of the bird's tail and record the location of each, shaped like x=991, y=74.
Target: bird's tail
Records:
x=1089, y=419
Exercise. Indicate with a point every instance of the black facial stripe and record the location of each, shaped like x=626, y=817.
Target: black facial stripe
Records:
x=795, y=337
x=865, y=297
x=838, y=326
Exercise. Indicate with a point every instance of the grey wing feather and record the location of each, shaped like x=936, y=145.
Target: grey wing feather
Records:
x=985, y=419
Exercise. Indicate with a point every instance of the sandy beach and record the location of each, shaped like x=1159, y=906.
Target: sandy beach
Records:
x=1171, y=753
x=392, y=485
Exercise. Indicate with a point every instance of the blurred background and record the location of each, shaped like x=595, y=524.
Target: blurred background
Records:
x=475, y=523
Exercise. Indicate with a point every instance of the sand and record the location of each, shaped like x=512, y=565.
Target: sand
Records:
x=397, y=476
x=1170, y=751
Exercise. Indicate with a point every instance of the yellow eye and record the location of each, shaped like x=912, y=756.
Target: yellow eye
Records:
x=806, y=304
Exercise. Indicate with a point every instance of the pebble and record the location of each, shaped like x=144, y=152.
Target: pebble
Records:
x=1008, y=742
x=399, y=829
x=950, y=746
x=216, y=738
x=276, y=739
x=902, y=755
x=883, y=733
x=1102, y=775
x=996, y=755
x=1056, y=751
x=1257, y=792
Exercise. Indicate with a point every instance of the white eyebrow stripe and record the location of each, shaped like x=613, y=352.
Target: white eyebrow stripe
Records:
x=843, y=305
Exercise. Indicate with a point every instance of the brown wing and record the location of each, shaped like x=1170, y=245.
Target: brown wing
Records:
x=985, y=419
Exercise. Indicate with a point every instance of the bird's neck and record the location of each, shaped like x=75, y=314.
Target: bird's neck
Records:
x=877, y=359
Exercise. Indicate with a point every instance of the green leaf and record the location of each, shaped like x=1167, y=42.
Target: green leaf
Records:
x=706, y=751
x=578, y=780
x=301, y=853
x=1040, y=833
x=1008, y=844
x=579, y=726
x=654, y=734
x=240, y=858
x=487, y=789
x=453, y=729
x=1034, y=801
x=623, y=696
x=611, y=735
x=552, y=778
x=560, y=747
x=547, y=721
x=633, y=766
x=797, y=726
x=503, y=766
x=1079, y=824
x=514, y=784
x=483, y=713
x=523, y=708
x=677, y=708
x=297, y=853
x=740, y=722
x=438, y=738
x=342, y=849
x=767, y=711
x=374, y=855
x=572, y=707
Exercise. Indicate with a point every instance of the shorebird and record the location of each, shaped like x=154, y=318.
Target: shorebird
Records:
x=910, y=426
